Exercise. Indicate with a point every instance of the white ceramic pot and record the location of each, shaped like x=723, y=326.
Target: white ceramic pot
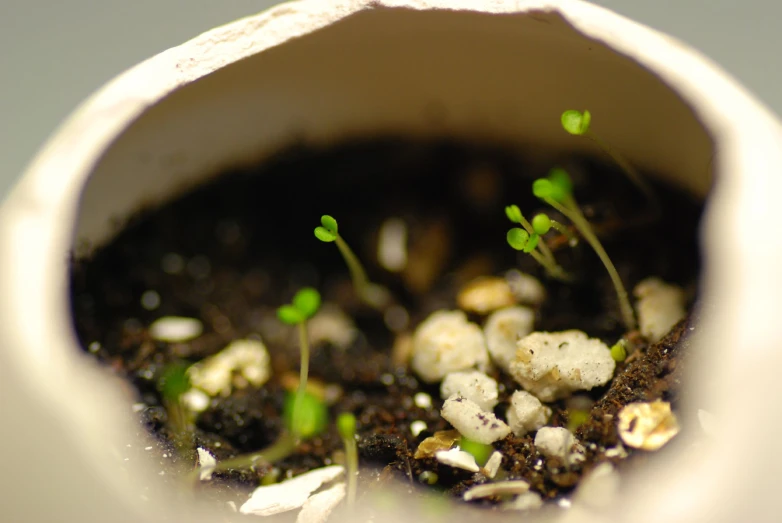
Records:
x=323, y=70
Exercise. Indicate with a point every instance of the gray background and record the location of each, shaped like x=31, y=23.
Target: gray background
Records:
x=53, y=54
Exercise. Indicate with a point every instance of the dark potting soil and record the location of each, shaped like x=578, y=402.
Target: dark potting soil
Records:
x=230, y=252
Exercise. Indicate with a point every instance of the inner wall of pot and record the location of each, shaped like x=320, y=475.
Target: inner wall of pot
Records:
x=478, y=77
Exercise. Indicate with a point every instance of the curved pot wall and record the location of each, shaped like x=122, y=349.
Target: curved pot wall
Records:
x=321, y=71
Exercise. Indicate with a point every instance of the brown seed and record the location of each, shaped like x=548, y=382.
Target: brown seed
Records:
x=443, y=440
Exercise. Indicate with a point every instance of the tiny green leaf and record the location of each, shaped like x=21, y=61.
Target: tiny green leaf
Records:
x=324, y=235
x=329, y=223
x=305, y=415
x=541, y=224
x=576, y=122
x=561, y=179
x=307, y=301
x=346, y=425
x=290, y=315
x=174, y=381
x=479, y=451
x=556, y=186
x=576, y=418
x=618, y=351
x=513, y=213
x=517, y=238
x=532, y=243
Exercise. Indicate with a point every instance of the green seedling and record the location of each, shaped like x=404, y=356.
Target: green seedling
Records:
x=557, y=191
x=173, y=384
x=528, y=240
x=576, y=418
x=372, y=294
x=480, y=451
x=578, y=123
x=619, y=350
x=346, y=426
x=305, y=304
x=305, y=414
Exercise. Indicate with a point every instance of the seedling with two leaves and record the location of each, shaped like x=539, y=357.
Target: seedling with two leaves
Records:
x=372, y=294
x=303, y=415
x=557, y=191
x=528, y=239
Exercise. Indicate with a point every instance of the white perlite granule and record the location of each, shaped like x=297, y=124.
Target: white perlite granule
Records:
x=241, y=363
x=291, y=494
x=660, y=306
x=446, y=342
x=559, y=442
x=504, y=329
x=176, y=329
x=473, y=385
x=473, y=422
x=526, y=413
x=551, y=365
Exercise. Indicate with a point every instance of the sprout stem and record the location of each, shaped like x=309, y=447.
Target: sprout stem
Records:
x=357, y=272
x=280, y=449
x=304, y=345
x=628, y=169
x=574, y=214
x=351, y=457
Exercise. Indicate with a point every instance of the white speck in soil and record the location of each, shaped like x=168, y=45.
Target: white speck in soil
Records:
x=138, y=407
x=417, y=427
x=387, y=379
x=94, y=347
x=172, y=263
x=150, y=300
x=422, y=400
x=148, y=448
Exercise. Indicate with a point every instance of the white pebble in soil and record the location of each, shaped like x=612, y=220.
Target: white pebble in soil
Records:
x=241, y=363
x=660, y=306
x=417, y=427
x=504, y=329
x=526, y=413
x=422, y=400
x=559, y=442
x=526, y=288
x=458, y=459
x=331, y=325
x=552, y=365
x=472, y=421
x=446, y=342
x=291, y=494
x=474, y=385
x=176, y=329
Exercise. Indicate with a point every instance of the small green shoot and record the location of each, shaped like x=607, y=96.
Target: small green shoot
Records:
x=305, y=414
x=480, y=451
x=527, y=240
x=372, y=294
x=557, y=191
x=576, y=418
x=305, y=304
x=173, y=384
x=578, y=123
x=619, y=350
x=346, y=426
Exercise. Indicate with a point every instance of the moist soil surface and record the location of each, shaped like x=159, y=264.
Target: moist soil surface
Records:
x=231, y=251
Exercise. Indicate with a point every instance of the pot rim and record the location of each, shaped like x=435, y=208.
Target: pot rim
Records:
x=37, y=220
